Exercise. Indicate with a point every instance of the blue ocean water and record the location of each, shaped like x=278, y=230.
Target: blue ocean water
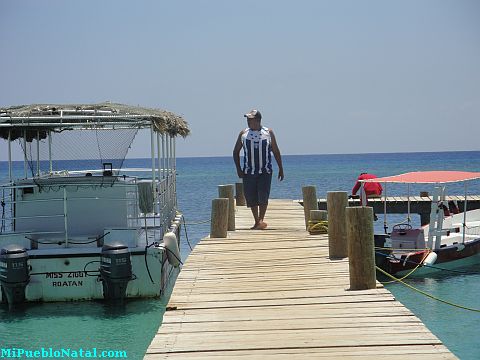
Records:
x=132, y=327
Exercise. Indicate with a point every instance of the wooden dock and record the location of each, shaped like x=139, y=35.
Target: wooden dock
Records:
x=275, y=294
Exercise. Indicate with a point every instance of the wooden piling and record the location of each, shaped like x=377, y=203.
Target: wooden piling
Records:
x=309, y=202
x=219, y=220
x=239, y=194
x=318, y=215
x=361, y=247
x=227, y=191
x=337, y=201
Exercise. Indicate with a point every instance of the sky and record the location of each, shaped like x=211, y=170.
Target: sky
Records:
x=328, y=76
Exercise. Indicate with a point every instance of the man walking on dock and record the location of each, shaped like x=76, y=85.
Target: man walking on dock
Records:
x=258, y=143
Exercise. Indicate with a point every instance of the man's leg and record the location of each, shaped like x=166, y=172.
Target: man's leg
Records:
x=255, y=216
x=265, y=181
x=251, y=196
x=262, y=224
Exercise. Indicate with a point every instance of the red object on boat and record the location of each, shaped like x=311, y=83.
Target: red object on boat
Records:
x=428, y=177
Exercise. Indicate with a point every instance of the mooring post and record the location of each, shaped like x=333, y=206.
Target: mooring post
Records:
x=226, y=191
x=239, y=195
x=337, y=201
x=361, y=248
x=318, y=215
x=219, y=220
x=310, y=202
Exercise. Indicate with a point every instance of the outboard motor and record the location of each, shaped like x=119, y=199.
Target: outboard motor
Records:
x=14, y=273
x=115, y=270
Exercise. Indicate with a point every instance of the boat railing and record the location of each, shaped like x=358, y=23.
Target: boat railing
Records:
x=163, y=197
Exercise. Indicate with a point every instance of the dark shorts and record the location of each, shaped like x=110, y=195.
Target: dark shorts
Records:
x=257, y=189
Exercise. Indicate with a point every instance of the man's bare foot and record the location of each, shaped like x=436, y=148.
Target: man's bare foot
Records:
x=254, y=227
x=261, y=225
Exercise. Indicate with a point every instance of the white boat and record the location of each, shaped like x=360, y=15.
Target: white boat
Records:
x=89, y=233
x=449, y=241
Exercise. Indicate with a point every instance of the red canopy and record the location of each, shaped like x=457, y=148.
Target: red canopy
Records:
x=428, y=177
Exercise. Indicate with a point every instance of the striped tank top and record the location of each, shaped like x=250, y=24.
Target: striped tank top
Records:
x=257, y=151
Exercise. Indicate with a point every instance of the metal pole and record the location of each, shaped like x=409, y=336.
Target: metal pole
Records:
x=159, y=173
x=167, y=158
x=10, y=177
x=163, y=156
x=50, y=166
x=174, y=145
x=408, y=203
x=38, y=153
x=65, y=215
x=25, y=153
x=464, y=213
x=167, y=138
x=152, y=148
x=440, y=216
x=385, y=226
x=159, y=166
x=363, y=195
x=174, y=165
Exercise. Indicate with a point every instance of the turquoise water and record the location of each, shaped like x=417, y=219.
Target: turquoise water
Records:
x=132, y=327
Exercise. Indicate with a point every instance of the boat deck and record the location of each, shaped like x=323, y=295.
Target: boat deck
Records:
x=275, y=294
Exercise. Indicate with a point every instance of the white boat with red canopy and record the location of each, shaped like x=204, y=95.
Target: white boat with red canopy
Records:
x=451, y=239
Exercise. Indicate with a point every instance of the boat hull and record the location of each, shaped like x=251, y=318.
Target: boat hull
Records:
x=449, y=257
x=72, y=276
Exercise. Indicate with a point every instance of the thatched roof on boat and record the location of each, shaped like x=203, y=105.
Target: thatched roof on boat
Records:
x=36, y=119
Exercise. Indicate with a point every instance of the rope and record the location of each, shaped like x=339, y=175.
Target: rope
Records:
x=317, y=227
x=2, y=227
x=186, y=234
x=425, y=293
x=146, y=261
x=175, y=256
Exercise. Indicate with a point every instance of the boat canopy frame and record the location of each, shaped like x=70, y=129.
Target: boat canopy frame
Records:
x=33, y=123
x=27, y=120
x=439, y=179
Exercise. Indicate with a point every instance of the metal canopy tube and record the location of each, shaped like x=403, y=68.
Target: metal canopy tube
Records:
x=163, y=156
x=87, y=125
x=10, y=156
x=175, y=153
x=167, y=138
x=25, y=154
x=363, y=195
x=159, y=169
x=50, y=164
x=77, y=117
x=464, y=214
x=385, y=226
x=38, y=153
x=159, y=166
x=65, y=215
x=408, y=203
x=152, y=148
x=174, y=163
x=172, y=150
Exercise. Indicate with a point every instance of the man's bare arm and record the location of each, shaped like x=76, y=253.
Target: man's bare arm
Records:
x=277, y=155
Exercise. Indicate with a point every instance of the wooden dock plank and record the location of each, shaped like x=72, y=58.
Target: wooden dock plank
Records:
x=275, y=294
x=423, y=352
